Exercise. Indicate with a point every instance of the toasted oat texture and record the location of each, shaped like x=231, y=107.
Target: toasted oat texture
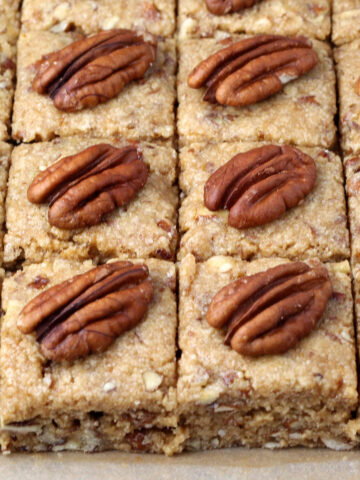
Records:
x=285, y=17
x=277, y=119
x=146, y=227
x=352, y=170
x=9, y=20
x=5, y=151
x=143, y=110
x=7, y=74
x=316, y=227
x=303, y=397
x=345, y=21
x=89, y=16
x=348, y=70
x=121, y=399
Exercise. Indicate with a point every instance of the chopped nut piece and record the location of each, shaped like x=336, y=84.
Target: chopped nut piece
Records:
x=109, y=387
x=221, y=7
x=342, y=267
x=23, y=428
x=220, y=264
x=260, y=185
x=223, y=408
x=39, y=282
x=209, y=395
x=82, y=188
x=94, y=69
x=152, y=381
x=269, y=312
x=335, y=444
x=87, y=313
x=253, y=69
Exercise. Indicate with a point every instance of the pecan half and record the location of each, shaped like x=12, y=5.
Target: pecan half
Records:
x=87, y=313
x=253, y=69
x=357, y=87
x=221, y=7
x=82, y=188
x=93, y=70
x=269, y=312
x=258, y=186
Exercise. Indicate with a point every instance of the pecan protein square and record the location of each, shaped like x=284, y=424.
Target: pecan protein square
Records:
x=88, y=16
x=143, y=110
x=348, y=71
x=280, y=118
x=352, y=171
x=123, y=398
x=356, y=282
x=145, y=227
x=316, y=227
x=345, y=21
x=284, y=17
x=302, y=397
x=9, y=20
x=7, y=75
x=5, y=152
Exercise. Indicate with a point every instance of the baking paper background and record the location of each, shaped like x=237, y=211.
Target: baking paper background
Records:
x=292, y=464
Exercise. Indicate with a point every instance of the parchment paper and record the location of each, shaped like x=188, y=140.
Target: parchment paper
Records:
x=293, y=464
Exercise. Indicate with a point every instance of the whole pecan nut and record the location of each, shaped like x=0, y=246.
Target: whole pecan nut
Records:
x=258, y=186
x=93, y=70
x=253, y=69
x=221, y=7
x=87, y=313
x=269, y=312
x=82, y=188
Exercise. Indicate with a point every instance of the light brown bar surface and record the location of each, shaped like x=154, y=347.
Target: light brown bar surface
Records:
x=9, y=20
x=284, y=17
x=345, y=21
x=348, y=72
x=7, y=74
x=352, y=171
x=89, y=16
x=5, y=151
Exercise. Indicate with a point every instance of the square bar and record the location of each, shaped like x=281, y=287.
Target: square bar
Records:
x=123, y=398
x=305, y=396
x=317, y=227
x=145, y=227
x=278, y=119
x=143, y=110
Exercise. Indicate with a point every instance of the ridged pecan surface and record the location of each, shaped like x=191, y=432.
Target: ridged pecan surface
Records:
x=260, y=185
x=82, y=188
x=221, y=7
x=253, y=69
x=87, y=313
x=269, y=312
x=93, y=70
